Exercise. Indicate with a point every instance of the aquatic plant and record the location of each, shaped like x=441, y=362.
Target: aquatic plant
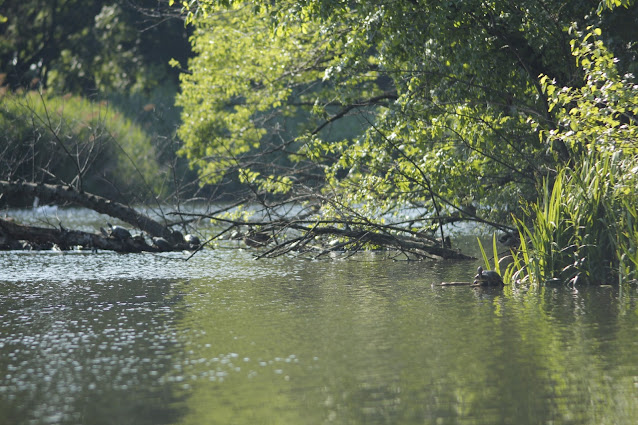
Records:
x=584, y=225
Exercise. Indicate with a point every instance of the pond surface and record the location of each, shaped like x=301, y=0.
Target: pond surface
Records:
x=223, y=339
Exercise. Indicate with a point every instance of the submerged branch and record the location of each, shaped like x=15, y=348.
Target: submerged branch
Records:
x=282, y=236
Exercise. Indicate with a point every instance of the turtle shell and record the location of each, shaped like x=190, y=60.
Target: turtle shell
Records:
x=119, y=232
x=487, y=278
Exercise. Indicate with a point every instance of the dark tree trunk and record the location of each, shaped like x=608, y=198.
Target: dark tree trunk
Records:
x=12, y=233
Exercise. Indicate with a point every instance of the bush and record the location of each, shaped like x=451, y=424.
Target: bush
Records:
x=72, y=140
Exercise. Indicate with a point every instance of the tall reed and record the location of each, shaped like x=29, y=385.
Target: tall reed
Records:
x=585, y=227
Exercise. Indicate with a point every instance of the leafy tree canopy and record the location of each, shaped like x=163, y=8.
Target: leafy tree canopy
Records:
x=438, y=105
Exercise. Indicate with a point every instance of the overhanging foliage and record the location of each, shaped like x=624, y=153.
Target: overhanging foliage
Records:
x=412, y=113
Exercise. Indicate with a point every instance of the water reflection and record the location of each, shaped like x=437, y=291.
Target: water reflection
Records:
x=225, y=339
x=87, y=351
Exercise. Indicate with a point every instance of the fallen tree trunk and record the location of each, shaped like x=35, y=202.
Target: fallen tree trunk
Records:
x=18, y=236
x=59, y=194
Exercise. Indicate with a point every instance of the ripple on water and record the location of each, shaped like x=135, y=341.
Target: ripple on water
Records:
x=65, y=341
x=73, y=266
x=88, y=336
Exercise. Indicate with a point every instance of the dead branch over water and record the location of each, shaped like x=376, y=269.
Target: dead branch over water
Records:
x=11, y=233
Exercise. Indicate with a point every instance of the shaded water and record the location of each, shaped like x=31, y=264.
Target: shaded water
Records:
x=223, y=339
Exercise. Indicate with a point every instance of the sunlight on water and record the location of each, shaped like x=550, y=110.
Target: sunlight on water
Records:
x=153, y=339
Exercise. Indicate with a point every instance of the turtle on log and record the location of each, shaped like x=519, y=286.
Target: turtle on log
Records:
x=192, y=240
x=162, y=244
x=116, y=232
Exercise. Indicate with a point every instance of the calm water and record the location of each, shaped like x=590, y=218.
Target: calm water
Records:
x=223, y=339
